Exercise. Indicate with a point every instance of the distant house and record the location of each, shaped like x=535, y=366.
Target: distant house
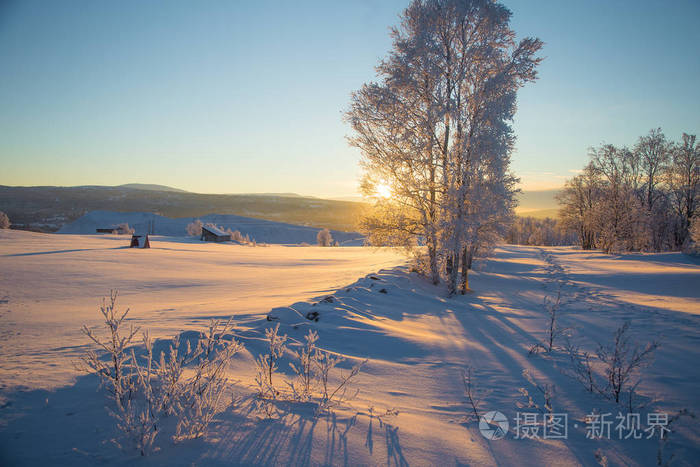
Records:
x=140, y=241
x=213, y=234
x=121, y=229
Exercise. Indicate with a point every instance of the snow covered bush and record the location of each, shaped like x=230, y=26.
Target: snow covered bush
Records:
x=194, y=229
x=124, y=229
x=236, y=235
x=115, y=373
x=4, y=221
x=146, y=388
x=203, y=396
x=324, y=238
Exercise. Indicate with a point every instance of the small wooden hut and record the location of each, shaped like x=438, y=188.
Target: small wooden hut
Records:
x=140, y=241
x=213, y=234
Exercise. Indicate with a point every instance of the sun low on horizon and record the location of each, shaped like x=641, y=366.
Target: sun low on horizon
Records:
x=349, y=233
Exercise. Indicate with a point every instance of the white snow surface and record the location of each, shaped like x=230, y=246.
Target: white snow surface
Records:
x=417, y=342
x=257, y=229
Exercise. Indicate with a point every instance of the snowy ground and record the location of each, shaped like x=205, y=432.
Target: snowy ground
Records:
x=417, y=341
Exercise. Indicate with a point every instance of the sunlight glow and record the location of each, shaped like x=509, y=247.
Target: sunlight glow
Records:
x=383, y=190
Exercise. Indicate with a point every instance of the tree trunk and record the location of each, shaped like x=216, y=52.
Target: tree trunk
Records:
x=432, y=255
x=466, y=264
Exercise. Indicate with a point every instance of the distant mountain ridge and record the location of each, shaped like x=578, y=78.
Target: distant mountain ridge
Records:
x=47, y=209
x=151, y=187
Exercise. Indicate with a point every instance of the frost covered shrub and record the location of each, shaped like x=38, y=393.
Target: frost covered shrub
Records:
x=332, y=395
x=324, y=238
x=694, y=234
x=622, y=360
x=267, y=363
x=305, y=368
x=4, y=221
x=474, y=394
x=554, y=330
x=312, y=368
x=115, y=373
x=236, y=235
x=124, y=229
x=546, y=391
x=146, y=389
x=194, y=229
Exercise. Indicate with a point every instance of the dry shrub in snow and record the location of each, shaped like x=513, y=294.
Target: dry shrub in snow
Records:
x=146, y=389
x=4, y=221
x=304, y=368
x=474, y=394
x=622, y=360
x=333, y=395
x=582, y=366
x=324, y=238
x=267, y=363
x=553, y=331
x=194, y=229
x=312, y=369
x=546, y=391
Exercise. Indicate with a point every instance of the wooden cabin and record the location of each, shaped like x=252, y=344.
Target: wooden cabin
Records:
x=213, y=234
x=140, y=241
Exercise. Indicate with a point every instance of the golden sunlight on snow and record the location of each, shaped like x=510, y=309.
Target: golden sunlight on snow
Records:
x=54, y=283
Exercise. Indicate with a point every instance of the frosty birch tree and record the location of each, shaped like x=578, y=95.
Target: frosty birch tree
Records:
x=324, y=238
x=4, y=221
x=578, y=201
x=684, y=182
x=652, y=154
x=436, y=128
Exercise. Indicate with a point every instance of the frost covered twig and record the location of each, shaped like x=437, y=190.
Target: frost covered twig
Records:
x=305, y=368
x=546, y=390
x=622, y=361
x=267, y=363
x=473, y=394
x=115, y=373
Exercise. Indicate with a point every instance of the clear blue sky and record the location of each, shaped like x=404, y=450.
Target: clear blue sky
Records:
x=229, y=97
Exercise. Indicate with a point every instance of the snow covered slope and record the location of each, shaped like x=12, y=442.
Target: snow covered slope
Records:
x=258, y=229
x=411, y=409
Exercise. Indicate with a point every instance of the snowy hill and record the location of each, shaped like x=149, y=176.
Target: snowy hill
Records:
x=412, y=407
x=258, y=229
x=150, y=187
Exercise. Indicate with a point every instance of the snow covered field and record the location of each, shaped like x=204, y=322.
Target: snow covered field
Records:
x=411, y=409
x=259, y=230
